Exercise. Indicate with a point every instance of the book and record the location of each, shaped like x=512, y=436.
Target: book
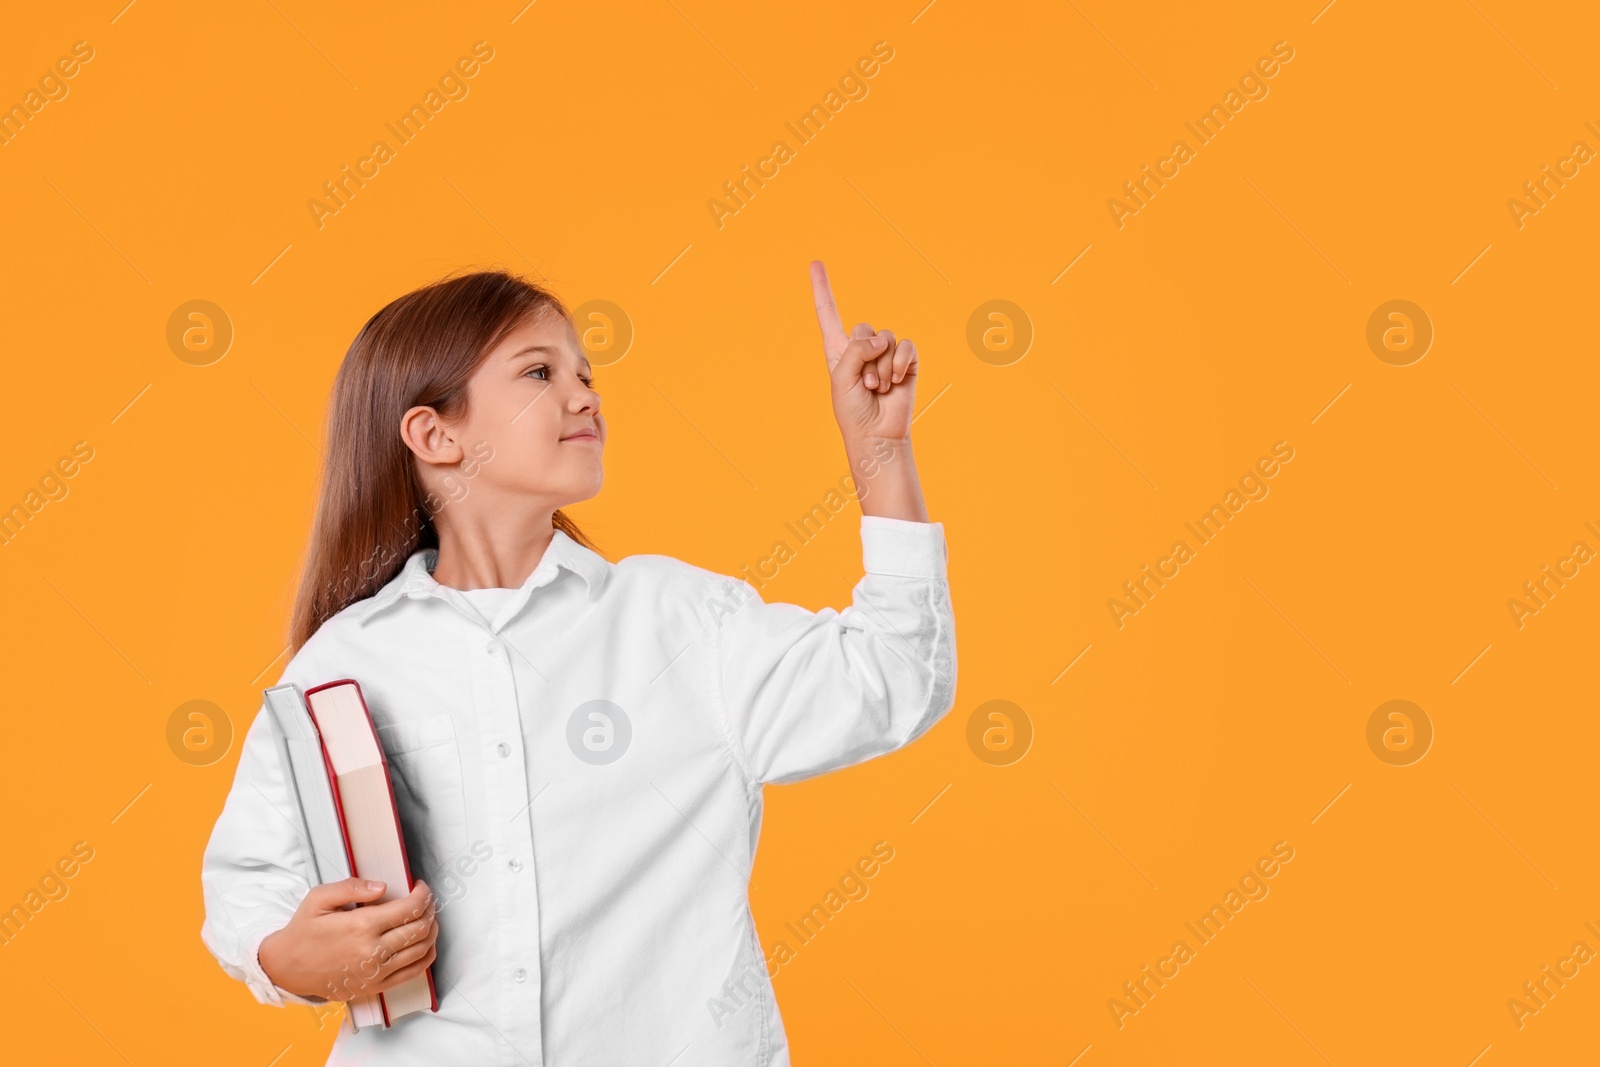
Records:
x=349, y=823
x=300, y=751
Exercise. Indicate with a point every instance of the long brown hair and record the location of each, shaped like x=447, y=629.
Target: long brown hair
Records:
x=372, y=512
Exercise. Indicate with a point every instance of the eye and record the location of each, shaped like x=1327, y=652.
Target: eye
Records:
x=544, y=370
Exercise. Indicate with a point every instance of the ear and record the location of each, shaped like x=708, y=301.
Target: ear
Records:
x=429, y=437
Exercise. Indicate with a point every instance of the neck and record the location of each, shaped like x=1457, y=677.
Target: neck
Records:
x=491, y=556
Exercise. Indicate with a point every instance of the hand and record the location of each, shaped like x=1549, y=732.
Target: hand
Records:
x=382, y=945
x=874, y=376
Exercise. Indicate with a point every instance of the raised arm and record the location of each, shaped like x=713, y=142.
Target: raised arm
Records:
x=807, y=692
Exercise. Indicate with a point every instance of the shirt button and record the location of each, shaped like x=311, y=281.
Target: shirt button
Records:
x=503, y=748
x=520, y=974
x=514, y=863
x=492, y=647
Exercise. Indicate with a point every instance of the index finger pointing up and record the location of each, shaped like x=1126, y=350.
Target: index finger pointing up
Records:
x=827, y=310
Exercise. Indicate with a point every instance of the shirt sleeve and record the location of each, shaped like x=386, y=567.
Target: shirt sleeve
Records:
x=254, y=873
x=808, y=692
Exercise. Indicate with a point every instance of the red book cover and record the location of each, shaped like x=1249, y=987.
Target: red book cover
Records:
x=394, y=807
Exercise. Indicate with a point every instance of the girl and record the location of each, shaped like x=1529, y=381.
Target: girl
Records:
x=577, y=747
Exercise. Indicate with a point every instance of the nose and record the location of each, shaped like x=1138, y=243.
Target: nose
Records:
x=584, y=400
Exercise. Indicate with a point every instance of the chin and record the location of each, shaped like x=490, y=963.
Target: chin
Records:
x=583, y=489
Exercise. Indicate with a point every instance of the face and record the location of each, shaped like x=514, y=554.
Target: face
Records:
x=533, y=430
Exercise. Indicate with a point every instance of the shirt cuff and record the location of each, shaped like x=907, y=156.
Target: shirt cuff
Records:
x=903, y=548
x=260, y=984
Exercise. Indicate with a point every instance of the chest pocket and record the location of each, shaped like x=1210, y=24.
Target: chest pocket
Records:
x=425, y=768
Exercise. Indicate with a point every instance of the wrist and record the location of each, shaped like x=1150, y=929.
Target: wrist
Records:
x=868, y=454
x=276, y=962
x=864, y=440
x=884, y=473
x=270, y=958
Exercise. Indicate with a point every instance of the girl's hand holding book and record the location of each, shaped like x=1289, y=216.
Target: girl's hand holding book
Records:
x=339, y=954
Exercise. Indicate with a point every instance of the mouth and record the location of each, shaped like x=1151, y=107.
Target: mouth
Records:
x=586, y=435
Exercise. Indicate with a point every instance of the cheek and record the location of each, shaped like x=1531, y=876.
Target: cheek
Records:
x=531, y=448
x=517, y=422
x=529, y=451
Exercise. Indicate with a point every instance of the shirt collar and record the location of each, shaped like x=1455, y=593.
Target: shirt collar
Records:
x=416, y=576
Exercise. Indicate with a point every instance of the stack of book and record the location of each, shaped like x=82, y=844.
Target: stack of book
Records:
x=348, y=821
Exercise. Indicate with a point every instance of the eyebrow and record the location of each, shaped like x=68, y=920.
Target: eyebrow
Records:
x=550, y=350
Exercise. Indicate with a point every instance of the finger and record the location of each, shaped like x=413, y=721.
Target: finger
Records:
x=381, y=919
x=905, y=360
x=385, y=961
x=861, y=331
x=334, y=895
x=827, y=311
x=412, y=920
x=399, y=961
x=410, y=971
x=386, y=916
x=884, y=372
x=876, y=371
x=383, y=957
x=421, y=930
x=856, y=358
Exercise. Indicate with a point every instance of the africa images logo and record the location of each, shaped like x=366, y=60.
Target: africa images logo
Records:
x=1252, y=485
x=1207, y=128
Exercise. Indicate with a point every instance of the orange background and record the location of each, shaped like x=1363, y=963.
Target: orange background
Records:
x=1223, y=317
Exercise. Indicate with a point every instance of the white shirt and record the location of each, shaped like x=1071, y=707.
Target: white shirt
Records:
x=579, y=781
x=489, y=601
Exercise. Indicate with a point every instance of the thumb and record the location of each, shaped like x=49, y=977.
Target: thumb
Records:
x=334, y=895
x=856, y=355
